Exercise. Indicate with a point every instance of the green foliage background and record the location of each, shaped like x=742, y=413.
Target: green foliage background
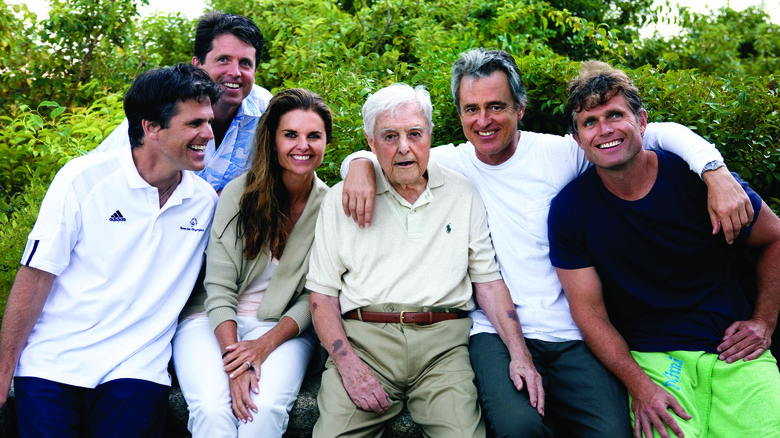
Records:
x=61, y=79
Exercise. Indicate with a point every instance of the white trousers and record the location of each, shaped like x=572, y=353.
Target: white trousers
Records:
x=204, y=383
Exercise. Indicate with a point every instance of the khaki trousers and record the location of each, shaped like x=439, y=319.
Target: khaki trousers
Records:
x=426, y=367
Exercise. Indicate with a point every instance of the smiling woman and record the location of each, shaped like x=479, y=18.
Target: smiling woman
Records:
x=255, y=303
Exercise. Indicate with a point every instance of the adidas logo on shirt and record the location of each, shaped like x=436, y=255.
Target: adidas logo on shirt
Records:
x=117, y=217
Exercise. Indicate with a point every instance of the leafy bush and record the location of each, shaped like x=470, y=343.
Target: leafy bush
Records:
x=14, y=228
x=37, y=142
x=344, y=50
x=85, y=47
x=721, y=43
x=740, y=114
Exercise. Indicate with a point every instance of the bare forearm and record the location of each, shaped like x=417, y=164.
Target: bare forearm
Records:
x=30, y=290
x=227, y=334
x=765, y=235
x=768, y=282
x=494, y=299
x=326, y=317
x=496, y=303
x=286, y=329
x=611, y=349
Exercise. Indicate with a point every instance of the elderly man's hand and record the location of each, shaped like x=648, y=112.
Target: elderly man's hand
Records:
x=524, y=374
x=357, y=196
x=362, y=386
x=728, y=204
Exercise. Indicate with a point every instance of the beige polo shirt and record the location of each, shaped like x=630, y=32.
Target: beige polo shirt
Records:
x=425, y=254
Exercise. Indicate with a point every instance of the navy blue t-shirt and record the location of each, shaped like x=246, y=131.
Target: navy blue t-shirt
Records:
x=668, y=283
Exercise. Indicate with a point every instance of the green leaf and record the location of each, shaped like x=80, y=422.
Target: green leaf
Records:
x=57, y=111
x=36, y=120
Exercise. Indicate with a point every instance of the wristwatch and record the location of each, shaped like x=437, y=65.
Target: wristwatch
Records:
x=712, y=165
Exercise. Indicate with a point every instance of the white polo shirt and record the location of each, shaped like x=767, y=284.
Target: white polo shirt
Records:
x=124, y=269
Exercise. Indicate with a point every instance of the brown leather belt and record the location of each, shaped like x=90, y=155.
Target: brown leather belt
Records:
x=404, y=318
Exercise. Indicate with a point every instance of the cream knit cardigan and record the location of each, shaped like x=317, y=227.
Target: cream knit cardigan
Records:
x=228, y=273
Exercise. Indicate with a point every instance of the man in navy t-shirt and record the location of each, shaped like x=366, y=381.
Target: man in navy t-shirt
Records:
x=653, y=291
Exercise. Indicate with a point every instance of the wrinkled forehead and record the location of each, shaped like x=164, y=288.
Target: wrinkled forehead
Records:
x=403, y=114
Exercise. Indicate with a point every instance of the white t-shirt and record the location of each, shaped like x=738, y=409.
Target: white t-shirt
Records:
x=124, y=269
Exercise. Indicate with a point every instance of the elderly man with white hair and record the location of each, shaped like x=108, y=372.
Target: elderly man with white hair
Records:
x=390, y=302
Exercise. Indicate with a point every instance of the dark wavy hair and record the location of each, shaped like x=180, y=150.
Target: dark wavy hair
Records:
x=155, y=94
x=215, y=23
x=261, y=215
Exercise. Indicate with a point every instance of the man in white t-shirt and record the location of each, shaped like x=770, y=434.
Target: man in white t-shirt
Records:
x=108, y=266
x=517, y=173
x=228, y=47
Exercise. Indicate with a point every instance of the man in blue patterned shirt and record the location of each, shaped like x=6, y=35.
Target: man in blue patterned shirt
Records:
x=228, y=47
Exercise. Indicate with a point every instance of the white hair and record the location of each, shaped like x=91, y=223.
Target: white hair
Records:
x=392, y=97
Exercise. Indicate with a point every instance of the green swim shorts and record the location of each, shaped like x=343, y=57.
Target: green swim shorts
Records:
x=741, y=399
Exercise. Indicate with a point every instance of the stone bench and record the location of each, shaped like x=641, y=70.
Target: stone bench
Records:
x=302, y=418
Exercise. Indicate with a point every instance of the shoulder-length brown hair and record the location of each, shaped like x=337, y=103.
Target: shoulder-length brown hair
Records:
x=262, y=209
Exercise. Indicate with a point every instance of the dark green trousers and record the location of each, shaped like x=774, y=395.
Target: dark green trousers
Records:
x=582, y=398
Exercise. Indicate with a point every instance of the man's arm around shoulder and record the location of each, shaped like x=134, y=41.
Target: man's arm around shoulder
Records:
x=728, y=205
x=28, y=295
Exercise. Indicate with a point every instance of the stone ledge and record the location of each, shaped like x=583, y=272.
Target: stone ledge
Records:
x=302, y=418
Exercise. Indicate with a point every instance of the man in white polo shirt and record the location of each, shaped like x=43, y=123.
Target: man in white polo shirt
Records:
x=112, y=259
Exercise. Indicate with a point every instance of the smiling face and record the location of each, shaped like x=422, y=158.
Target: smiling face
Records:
x=611, y=134
x=300, y=141
x=489, y=117
x=181, y=145
x=231, y=64
x=402, y=144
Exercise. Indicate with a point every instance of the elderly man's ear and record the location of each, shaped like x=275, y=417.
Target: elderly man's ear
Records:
x=370, y=142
